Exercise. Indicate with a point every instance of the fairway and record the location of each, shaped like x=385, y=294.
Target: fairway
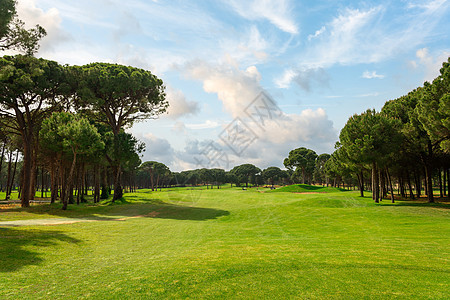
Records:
x=229, y=243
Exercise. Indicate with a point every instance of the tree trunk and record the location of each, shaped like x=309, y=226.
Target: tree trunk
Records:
x=390, y=185
x=375, y=188
x=27, y=171
x=418, y=184
x=104, y=179
x=118, y=192
x=69, y=180
x=8, y=180
x=408, y=179
x=53, y=182
x=361, y=183
x=441, y=194
x=429, y=182
x=2, y=155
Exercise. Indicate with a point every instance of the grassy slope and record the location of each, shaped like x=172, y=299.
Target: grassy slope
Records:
x=231, y=243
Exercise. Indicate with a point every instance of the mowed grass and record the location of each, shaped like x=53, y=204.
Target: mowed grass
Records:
x=304, y=188
x=230, y=243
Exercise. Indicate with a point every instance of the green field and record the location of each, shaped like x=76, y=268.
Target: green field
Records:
x=229, y=243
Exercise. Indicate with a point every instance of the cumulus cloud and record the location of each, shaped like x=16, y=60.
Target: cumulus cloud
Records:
x=178, y=105
x=371, y=75
x=304, y=77
x=236, y=88
x=431, y=63
x=50, y=20
x=275, y=11
x=158, y=149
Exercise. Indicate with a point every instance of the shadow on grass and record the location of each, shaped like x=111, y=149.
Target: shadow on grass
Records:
x=122, y=210
x=13, y=246
x=413, y=203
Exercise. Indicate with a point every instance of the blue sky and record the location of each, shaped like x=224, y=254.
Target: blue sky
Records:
x=318, y=63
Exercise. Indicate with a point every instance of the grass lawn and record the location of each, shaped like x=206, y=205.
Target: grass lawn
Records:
x=229, y=243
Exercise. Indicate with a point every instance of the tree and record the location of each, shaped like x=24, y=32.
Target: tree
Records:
x=13, y=35
x=272, y=174
x=118, y=96
x=245, y=172
x=369, y=138
x=73, y=135
x=218, y=176
x=302, y=159
x=30, y=89
x=319, y=172
x=156, y=172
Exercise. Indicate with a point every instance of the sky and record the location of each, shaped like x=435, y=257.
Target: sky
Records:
x=248, y=81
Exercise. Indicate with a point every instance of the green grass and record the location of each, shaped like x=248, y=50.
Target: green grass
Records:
x=304, y=188
x=230, y=243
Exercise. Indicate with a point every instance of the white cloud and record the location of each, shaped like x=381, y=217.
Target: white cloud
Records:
x=304, y=77
x=277, y=12
x=236, y=88
x=205, y=125
x=358, y=36
x=157, y=149
x=431, y=63
x=178, y=105
x=371, y=75
x=50, y=20
x=317, y=33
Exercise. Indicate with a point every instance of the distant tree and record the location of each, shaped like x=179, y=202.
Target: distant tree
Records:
x=118, y=96
x=245, y=172
x=158, y=172
x=319, y=172
x=218, y=176
x=273, y=174
x=232, y=178
x=13, y=35
x=302, y=159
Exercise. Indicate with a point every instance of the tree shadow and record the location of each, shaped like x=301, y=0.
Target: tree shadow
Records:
x=415, y=203
x=151, y=208
x=13, y=246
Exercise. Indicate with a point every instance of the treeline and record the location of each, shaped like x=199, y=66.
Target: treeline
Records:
x=70, y=120
x=405, y=145
x=156, y=175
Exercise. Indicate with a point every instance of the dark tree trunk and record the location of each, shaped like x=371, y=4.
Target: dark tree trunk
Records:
x=8, y=180
x=408, y=179
x=429, y=182
x=69, y=180
x=27, y=171
x=2, y=155
x=53, y=182
x=118, y=192
x=441, y=194
x=418, y=183
x=105, y=190
x=444, y=181
x=361, y=183
x=375, y=189
x=390, y=185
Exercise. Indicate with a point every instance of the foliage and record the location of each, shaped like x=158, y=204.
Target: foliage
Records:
x=301, y=160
